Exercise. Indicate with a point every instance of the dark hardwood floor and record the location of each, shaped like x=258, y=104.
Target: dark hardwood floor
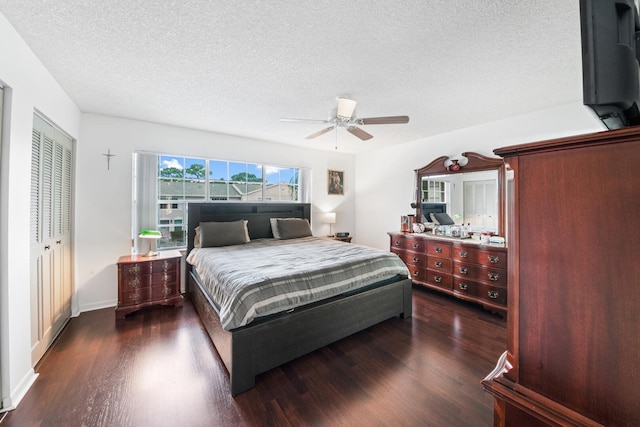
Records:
x=159, y=368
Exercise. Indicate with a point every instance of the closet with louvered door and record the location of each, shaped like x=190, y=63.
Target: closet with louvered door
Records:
x=50, y=234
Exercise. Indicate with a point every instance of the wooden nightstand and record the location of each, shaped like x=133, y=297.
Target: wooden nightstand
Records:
x=145, y=281
x=343, y=239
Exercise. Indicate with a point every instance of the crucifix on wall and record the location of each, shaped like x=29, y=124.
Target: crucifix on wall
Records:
x=108, y=155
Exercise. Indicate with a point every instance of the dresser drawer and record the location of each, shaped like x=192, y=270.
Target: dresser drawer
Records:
x=417, y=274
x=411, y=258
x=438, y=279
x=468, y=288
x=493, y=276
x=442, y=265
x=408, y=243
x=439, y=249
x=490, y=258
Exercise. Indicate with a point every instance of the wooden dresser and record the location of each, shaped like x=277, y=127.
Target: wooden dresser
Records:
x=573, y=347
x=145, y=281
x=463, y=268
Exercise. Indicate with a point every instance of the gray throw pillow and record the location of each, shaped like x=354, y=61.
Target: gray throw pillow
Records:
x=293, y=228
x=213, y=234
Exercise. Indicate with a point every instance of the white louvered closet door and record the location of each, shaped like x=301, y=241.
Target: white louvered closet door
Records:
x=51, y=196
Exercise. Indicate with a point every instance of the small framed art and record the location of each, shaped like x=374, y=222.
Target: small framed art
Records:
x=336, y=182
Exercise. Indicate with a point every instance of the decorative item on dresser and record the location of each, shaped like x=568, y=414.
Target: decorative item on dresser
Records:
x=465, y=269
x=573, y=326
x=144, y=281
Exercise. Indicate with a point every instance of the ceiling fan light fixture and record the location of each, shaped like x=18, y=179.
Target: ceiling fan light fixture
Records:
x=346, y=108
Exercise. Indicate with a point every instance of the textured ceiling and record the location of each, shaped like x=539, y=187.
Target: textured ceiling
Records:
x=236, y=67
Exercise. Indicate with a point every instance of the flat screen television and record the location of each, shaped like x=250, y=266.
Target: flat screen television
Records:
x=610, y=70
x=428, y=208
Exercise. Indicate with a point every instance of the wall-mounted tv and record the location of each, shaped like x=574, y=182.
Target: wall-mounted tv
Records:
x=610, y=70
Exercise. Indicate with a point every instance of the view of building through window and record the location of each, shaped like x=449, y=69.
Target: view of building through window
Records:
x=183, y=179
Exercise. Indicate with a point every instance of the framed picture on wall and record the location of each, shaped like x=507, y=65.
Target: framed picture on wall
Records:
x=336, y=182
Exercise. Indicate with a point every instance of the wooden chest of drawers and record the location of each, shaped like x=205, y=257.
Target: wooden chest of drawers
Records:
x=464, y=269
x=145, y=281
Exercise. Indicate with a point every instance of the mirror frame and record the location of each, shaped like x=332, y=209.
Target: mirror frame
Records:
x=476, y=163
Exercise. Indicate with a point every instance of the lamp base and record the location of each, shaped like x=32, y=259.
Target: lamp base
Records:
x=151, y=253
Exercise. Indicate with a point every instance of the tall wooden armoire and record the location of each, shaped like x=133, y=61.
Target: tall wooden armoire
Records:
x=573, y=349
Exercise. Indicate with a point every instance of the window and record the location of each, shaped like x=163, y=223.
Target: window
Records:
x=165, y=184
x=434, y=191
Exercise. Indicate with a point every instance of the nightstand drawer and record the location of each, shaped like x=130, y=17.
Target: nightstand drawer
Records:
x=136, y=269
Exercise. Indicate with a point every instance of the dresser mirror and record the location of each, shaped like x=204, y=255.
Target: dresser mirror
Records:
x=469, y=188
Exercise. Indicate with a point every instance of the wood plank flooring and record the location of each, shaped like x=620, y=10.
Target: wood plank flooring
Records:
x=159, y=368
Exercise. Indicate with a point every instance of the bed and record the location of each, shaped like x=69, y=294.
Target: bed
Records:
x=263, y=341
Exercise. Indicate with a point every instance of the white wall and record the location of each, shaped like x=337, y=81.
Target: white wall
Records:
x=385, y=180
x=104, y=201
x=28, y=87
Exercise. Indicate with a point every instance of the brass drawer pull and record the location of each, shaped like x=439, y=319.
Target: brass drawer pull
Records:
x=463, y=254
x=133, y=283
x=438, y=249
x=416, y=245
x=397, y=243
x=464, y=270
x=438, y=264
x=493, y=294
x=493, y=259
x=463, y=286
x=493, y=276
x=416, y=272
x=165, y=265
x=134, y=270
x=437, y=279
x=415, y=259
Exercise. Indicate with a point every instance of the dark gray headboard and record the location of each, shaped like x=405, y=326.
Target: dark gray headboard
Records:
x=258, y=215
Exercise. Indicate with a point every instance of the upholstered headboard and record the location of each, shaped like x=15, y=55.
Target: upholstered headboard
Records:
x=258, y=215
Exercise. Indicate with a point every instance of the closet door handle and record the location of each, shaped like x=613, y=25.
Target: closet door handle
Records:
x=47, y=247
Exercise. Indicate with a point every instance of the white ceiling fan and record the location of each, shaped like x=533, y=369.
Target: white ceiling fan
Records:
x=344, y=116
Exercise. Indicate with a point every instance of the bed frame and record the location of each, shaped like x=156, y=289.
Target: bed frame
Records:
x=270, y=342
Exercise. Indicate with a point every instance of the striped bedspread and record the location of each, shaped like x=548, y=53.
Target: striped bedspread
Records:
x=269, y=276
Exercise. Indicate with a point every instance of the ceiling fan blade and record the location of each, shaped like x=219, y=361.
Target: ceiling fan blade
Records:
x=359, y=133
x=320, y=132
x=346, y=107
x=304, y=120
x=383, y=120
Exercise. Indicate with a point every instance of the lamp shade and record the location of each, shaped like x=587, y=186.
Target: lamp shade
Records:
x=150, y=234
x=330, y=217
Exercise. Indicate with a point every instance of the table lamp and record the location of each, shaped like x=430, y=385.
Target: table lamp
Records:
x=152, y=236
x=330, y=218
